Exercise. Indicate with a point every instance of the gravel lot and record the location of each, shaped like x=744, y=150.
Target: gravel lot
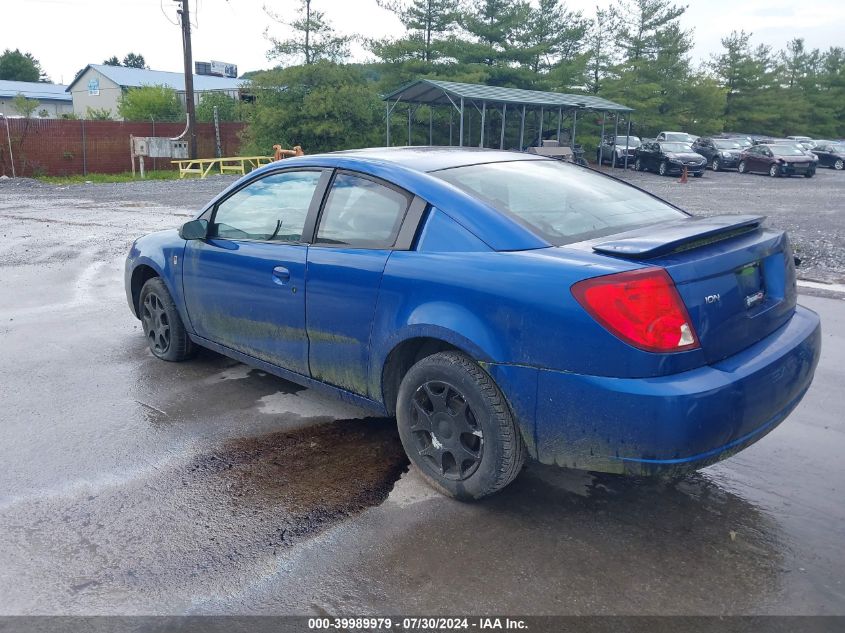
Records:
x=811, y=210
x=134, y=486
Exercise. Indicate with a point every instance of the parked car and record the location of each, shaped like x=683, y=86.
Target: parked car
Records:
x=500, y=305
x=721, y=153
x=669, y=158
x=777, y=160
x=830, y=154
x=614, y=149
x=680, y=137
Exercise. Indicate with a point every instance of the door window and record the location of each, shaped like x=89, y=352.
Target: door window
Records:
x=270, y=209
x=361, y=213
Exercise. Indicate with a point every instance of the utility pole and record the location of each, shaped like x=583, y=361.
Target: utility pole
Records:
x=185, y=16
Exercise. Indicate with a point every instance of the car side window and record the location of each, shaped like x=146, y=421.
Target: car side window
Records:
x=362, y=213
x=272, y=208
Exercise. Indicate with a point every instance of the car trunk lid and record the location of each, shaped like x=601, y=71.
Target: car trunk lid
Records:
x=736, y=278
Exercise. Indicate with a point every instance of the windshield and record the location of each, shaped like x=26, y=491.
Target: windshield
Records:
x=675, y=147
x=560, y=202
x=679, y=136
x=787, y=150
x=727, y=145
x=632, y=140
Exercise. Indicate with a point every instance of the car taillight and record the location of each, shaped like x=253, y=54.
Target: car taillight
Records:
x=641, y=307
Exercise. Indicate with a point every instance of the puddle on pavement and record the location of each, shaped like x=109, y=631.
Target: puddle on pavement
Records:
x=321, y=472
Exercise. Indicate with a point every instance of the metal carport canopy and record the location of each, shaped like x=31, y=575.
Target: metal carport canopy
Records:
x=435, y=92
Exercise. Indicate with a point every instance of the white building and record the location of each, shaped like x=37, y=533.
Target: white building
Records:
x=99, y=86
x=52, y=99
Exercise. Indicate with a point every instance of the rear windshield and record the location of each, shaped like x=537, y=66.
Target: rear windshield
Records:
x=560, y=202
x=679, y=136
x=675, y=147
x=786, y=150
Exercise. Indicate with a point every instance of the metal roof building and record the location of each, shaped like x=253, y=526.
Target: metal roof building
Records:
x=459, y=96
x=99, y=86
x=51, y=98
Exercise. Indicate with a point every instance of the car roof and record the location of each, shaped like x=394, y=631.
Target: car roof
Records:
x=430, y=158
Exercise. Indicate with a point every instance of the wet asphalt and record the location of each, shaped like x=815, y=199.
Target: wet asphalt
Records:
x=133, y=486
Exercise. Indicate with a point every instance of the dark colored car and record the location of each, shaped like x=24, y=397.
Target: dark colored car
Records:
x=614, y=149
x=500, y=305
x=777, y=160
x=669, y=158
x=721, y=153
x=830, y=154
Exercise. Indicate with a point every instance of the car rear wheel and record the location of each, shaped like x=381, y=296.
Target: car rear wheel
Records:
x=742, y=167
x=716, y=165
x=839, y=165
x=162, y=325
x=663, y=169
x=774, y=171
x=457, y=428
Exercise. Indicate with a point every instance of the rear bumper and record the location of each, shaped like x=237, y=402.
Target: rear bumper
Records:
x=673, y=423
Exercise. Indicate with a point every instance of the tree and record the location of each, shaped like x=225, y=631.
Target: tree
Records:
x=642, y=22
x=321, y=106
x=228, y=108
x=427, y=21
x=314, y=38
x=601, y=47
x=25, y=107
x=98, y=114
x=553, y=35
x=111, y=61
x=160, y=103
x=134, y=60
x=17, y=66
x=496, y=28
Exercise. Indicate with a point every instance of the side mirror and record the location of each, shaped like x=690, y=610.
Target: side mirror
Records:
x=194, y=230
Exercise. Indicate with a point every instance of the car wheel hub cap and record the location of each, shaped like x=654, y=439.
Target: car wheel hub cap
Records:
x=155, y=323
x=446, y=434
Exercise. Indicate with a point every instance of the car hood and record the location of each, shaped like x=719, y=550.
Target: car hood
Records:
x=684, y=156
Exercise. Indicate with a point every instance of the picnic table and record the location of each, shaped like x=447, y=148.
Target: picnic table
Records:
x=232, y=164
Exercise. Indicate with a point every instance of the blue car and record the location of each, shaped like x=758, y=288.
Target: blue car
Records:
x=500, y=305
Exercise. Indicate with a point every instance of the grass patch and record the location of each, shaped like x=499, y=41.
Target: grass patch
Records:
x=78, y=179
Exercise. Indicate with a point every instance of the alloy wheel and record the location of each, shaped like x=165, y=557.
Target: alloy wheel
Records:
x=773, y=171
x=663, y=169
x=446, y=433
x=715, y=165
x=839, y=165
x=156, y=323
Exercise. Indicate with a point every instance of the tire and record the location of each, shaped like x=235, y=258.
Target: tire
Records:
x=663, y=169
x=699, y=174
x=742, y=167
x=810, y=174
x=162, y=325
x=774, y=171
x=449, y=410
x=839, y=165
x=715, y=165
x=638, y=165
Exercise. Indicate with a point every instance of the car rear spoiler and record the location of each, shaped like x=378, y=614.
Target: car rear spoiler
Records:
x=678, y=235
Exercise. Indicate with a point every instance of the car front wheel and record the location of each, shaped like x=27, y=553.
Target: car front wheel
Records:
x=839, y=165
x=742, y=167
x=638, y=165
x=457, y=428
x=715, y=164
x=774, y=171
x=663, y=169
x=162, y=325
x=810, y=173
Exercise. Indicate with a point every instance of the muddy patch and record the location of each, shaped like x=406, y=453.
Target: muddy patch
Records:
x=317, y=473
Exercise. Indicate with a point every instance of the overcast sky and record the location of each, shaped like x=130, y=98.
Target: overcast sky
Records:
x=65, y=35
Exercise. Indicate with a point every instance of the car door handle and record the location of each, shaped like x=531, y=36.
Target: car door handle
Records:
x=281, y=275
